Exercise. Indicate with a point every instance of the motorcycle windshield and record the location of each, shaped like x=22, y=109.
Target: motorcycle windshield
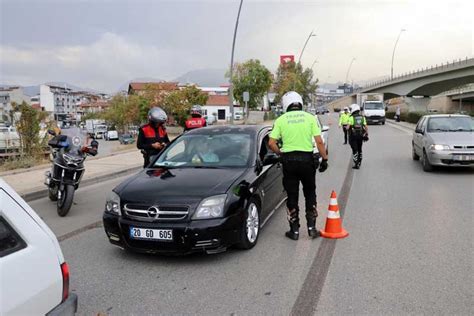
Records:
x=75, y=141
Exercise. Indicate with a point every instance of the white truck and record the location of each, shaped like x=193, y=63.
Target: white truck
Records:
x=372, y=107
x=96, y=128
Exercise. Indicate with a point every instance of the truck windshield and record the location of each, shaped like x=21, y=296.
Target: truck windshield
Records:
x=373, y=106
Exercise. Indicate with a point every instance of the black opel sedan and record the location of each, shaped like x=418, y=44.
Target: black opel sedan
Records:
x=210, y=189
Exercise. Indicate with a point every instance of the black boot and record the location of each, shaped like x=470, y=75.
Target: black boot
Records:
x=293, y=233
x=313, y=232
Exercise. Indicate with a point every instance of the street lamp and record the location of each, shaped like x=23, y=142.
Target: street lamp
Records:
x=393, y=54
x=231, y=89
x=306, y=43
x=349, y=69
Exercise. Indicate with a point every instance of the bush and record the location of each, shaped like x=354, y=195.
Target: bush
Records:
x=414, y=117
x=390, y=115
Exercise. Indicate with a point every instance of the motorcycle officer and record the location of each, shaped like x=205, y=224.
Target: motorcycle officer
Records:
x=297, y=129
x=152, y=137
x=358, y=133
x=344, y=122
x=196, y=120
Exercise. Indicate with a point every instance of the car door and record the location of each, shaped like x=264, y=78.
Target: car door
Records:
x=33, y=284
x=272, y=183
x=418, y=136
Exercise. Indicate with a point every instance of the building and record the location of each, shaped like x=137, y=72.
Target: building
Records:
x=9, y=95
x=218, y=105
x=93, y=107
x=158, y=89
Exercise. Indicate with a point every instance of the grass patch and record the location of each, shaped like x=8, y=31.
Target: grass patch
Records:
x=21, y=162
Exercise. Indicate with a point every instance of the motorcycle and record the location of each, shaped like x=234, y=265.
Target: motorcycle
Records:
x=68, y=156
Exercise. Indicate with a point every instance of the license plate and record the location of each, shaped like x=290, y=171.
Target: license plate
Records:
x=375, y=121
x=153, y=234
x=463, y=157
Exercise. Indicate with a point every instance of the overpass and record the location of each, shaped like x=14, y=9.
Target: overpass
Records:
x=427, y=82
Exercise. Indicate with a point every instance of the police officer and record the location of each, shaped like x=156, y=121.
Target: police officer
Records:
x=296, y=130
x=152, y=137
x=196, y=120
x=358, y=133
x=344, y=122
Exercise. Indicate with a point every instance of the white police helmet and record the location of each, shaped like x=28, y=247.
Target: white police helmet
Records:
x=157, y=115
x=291, y=98
x=354, y=108
x=346, y=109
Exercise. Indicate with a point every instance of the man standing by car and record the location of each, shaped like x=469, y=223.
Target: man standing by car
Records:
x=344, y=123
x=152, y=137
x=196, y=120
x=358, y=133
x=297, y=129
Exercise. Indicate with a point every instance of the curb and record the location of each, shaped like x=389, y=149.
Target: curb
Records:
x=392, y=122
x=38, y=194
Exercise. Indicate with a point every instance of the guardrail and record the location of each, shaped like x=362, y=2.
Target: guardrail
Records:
x=412, y=74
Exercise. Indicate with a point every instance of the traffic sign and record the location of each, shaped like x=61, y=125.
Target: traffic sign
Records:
x=246, y=96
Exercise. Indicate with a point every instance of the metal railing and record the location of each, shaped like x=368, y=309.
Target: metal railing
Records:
x=415, y=73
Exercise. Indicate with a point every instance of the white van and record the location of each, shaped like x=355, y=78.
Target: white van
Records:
x=34, y=276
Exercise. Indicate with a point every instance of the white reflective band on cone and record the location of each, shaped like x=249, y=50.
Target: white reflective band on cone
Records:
x=333, y=215
x=333, y=202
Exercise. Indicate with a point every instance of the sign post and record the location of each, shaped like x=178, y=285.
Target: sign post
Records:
x=246, y=97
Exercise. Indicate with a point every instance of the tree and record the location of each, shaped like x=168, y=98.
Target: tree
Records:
x=291, y=77
x=178, y=103
x=28, y=129
x=253, y=77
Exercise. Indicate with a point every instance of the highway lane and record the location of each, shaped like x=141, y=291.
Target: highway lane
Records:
x=410, y=248
x=384, y=266
x=264, y=280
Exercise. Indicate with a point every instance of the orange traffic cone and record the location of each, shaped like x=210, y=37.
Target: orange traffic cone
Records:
x=334, y=227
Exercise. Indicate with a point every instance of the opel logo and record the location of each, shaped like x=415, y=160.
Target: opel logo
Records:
x=153, y=212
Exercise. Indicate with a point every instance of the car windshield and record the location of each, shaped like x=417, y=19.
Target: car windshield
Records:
x=207, y=151
x=373, y=106
x=126, y=136
x=451, y=124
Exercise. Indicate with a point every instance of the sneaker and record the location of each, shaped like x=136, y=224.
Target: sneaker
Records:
x=355, y=167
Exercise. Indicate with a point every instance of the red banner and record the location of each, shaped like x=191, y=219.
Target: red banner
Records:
x=287, y=58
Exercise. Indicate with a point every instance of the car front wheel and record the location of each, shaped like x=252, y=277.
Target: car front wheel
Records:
x=427, y=167
x=251, y=226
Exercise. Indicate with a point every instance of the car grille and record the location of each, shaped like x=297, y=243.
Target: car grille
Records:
x=156, y=213
x=460, y=147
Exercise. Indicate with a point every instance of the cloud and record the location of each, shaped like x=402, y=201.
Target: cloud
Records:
x=103, y=64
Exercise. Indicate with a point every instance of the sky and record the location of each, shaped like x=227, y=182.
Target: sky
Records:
x=101, y=44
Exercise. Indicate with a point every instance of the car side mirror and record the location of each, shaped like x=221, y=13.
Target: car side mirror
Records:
x=270, y=159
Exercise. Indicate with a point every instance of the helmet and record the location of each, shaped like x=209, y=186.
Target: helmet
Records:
x=354, y=108
x=157, y=115
x=291, y=99
x=196, y=110
x=346, y=109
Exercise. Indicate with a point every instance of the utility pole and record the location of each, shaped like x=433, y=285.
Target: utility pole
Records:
x=393, y=54
x=231, y=89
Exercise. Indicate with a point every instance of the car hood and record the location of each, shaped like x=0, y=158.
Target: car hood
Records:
x=453, y=138
x=374, y=112
x=181, y=185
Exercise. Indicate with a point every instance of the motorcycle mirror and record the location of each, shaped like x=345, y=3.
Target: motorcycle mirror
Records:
x=95, y=143
x=51, y=132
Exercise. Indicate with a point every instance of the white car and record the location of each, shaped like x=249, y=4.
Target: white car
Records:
x=111, y=135
x=34, y=276
x=324, y=136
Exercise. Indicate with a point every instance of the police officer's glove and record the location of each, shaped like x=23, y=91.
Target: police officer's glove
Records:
x=323, y=166
x=365, y=138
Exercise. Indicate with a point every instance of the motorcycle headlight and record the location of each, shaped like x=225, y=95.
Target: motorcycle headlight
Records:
x=112, y=204
x=211, y=207
x=439, y=147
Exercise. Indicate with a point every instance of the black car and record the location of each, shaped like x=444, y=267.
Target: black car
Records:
x=211, y=188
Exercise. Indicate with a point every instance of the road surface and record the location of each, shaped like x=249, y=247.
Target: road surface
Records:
x=409, y=249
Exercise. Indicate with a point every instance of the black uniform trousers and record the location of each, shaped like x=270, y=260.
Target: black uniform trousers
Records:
x=299, y=167
x=356, y=141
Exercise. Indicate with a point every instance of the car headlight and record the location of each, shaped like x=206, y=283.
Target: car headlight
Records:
x=439, y=147
x=211, y=207
x=112, y=204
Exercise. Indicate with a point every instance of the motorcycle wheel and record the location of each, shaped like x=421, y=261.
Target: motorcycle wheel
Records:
x=65, y=202
x=53, y=193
